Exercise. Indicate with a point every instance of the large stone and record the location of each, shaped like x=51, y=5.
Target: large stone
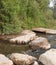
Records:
x=35, y=63
x=24, y=32
x=50, y=31
x=49, y=57
x=22, y=59
x=40, y=30
x=4, y=60
x=44, y=30
x=23, y=39
x=39, y=42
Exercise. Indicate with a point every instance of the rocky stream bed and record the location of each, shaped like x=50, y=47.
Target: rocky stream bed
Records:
x=7, y=48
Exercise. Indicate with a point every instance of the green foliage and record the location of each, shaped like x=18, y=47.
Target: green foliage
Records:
x=16, y=15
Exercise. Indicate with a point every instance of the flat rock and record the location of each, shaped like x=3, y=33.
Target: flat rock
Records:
x=22, y=59
x=23, y=39
x=44, y=30
x=39, y=42
x=40, y=30
x=49, y=57
x=50, y=31
x=4, y=60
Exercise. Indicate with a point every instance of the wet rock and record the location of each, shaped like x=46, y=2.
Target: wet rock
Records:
x=51, y=37
x=4, y=60
x=49, y=57
x=33, y=53
x=39, y=42
x=35, y=63
x=23, y=39
x=22, y=59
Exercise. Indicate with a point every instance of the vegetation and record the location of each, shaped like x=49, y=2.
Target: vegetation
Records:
x=16, y=15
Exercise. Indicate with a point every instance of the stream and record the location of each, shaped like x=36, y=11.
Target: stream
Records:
x=6, y=48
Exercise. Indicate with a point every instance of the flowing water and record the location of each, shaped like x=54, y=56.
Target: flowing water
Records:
x=6, y=48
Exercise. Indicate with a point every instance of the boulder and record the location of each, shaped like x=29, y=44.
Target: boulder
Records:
x=23, y=39
x=50, y=31
x=44, y=30
x=35, y=63
x=39, y=42
x=49, y=57
x=22, y=59
x=25, y=32
x=4, y=60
